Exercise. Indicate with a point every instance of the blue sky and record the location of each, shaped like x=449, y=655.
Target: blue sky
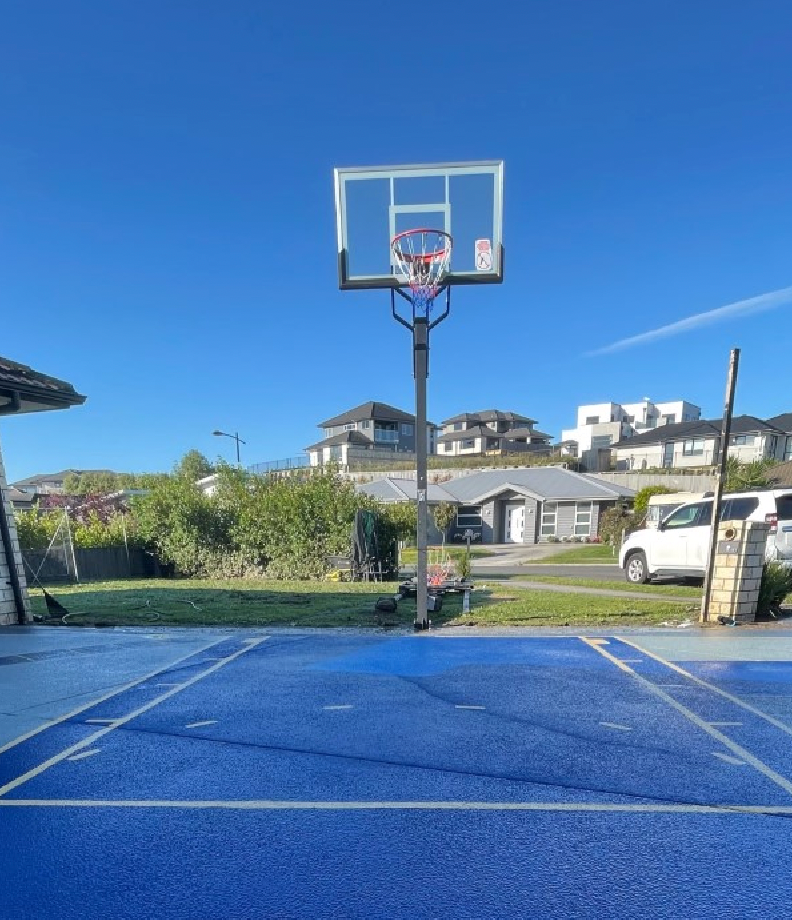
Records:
x=167, y=233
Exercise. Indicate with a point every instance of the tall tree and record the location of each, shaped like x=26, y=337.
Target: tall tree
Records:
x=194, y=466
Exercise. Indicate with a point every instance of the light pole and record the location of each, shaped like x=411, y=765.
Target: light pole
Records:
x=234, y=437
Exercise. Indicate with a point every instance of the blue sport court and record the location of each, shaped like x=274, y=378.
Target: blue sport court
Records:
x=243, y=774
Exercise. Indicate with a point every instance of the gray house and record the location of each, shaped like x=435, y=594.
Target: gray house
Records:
x=516, y=506
x=372, y=426
x=490, y=431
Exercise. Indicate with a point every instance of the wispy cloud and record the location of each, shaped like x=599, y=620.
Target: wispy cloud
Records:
x=740, y=308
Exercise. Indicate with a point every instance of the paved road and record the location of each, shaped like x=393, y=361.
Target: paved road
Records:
x=365, y=776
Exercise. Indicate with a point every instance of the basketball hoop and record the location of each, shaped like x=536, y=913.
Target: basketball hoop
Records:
x=421, y=259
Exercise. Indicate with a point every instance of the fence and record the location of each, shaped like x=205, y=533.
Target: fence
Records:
x=272, y=466
x=99, y=564
x=701, y=481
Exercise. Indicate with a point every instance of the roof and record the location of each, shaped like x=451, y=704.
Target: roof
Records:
x=19, y=498
x=544, y=483
x=526, y=433
x=488, y=415
x=781, y=475
x=40, y=478
x=344, y=437
x=389, y=489
x=477, y=431
x=741, y=424
x=382, y=412
x=24, y=390
x=783, y=421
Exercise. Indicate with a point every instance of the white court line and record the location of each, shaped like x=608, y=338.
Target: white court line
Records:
x=87, y=742
x=703, y=683
x=621, y=728
x=725, y=724
x=461, y=706
x=201, y=724
x=99, y=721
x=75, y=712
x=289, y=805
x=731, y=760
x=727, y=742
x=83, y=754
x=339, y=706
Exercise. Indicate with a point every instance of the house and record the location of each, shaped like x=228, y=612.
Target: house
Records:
x=372, y=426
x=51, y=483
x=490, y=431
x=600, y=425
x=528, y=505
x=784, y=423
x=697, y=444
x=22, y=390
x=781, y=475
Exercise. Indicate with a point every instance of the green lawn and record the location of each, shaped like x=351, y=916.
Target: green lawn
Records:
x=186, y=602
x=595, y=553
x=616, y=585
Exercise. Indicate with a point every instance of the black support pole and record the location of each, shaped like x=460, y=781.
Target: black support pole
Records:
x=421, y=371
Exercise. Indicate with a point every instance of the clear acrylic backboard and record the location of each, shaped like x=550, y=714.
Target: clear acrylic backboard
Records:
x=374, y=204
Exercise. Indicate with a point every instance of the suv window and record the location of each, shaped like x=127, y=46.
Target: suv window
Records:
x=784, y=507
x=687, y=516
x=738, y=509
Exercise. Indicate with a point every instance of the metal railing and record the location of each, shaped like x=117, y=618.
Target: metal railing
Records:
x=289, y=463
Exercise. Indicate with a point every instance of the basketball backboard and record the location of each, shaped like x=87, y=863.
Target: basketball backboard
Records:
x=375, y=203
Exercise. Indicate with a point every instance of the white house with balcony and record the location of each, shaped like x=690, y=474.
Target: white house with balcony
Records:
x=490, y=431
x=373, y=430
x=600, y=425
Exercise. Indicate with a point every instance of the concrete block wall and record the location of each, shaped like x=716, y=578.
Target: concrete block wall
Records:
x=736, y=577
x=8, y=611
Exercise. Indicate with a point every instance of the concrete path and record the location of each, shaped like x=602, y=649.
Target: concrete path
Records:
x=601, y=592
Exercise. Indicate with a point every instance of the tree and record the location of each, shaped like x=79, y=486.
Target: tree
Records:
x=742, y=477
x=404, y=518
x=642, y=497
x=444, y=515
x=194, y=466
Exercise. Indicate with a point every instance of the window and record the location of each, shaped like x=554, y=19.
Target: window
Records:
x=629, y=419
x=386, y=432
x=549, y=518
x=407, y=429
x=350, y=426
x=687, y=516
x=469, y=516
x=738, y=509
x=367, y=423
x=583, y=514
x=741, y=440
x=459, y=426
x=592, y=420
x=669, y=419
x=468, y=443
x=493, y=443
x=335, y=454
x=784, y=507
x=693, y=447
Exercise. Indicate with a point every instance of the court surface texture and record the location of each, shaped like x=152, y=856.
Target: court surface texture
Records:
x=250, y=774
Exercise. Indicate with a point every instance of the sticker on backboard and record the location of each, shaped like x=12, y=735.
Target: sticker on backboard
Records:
x=484, y=255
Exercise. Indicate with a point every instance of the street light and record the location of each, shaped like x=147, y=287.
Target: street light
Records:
x=234, y=437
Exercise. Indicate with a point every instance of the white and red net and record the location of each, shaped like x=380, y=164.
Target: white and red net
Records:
x=421, y=259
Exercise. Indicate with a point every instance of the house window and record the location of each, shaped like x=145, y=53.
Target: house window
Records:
x=469, y=516
x=549, y=519
x=459, y=426
x=349, y=427
x=468, y=443
x=742, y=440
x=592, y=420
x=583, y=515
x=386, y=432
x=669, y=419
x=367, y=423
x=629, y=419
x=328, y=432
x=693, y=447
x=335, y=454
x=406, y=429
x=493, y=443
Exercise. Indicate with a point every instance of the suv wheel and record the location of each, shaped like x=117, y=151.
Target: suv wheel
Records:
x=636, y=569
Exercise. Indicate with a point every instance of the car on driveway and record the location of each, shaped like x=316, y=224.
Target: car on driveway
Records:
x=679, y=546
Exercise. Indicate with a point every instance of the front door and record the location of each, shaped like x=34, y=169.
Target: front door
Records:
x=515, y=523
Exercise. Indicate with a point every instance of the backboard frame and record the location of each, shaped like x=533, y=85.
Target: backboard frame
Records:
x=343, y=175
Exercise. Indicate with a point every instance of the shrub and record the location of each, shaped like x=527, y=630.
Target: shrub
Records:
x=614, y=521
x=776, y=584
x=641, y=502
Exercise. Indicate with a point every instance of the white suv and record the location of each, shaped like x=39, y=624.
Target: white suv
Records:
x=680, y=545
